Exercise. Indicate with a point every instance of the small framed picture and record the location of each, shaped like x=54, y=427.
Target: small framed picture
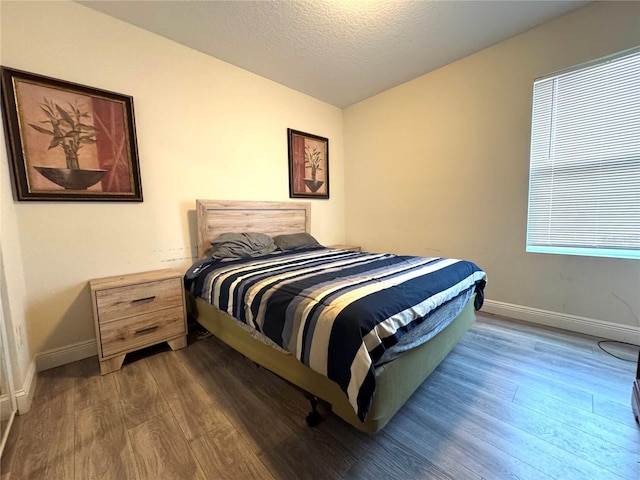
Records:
x=308, y=165
x=69, y=141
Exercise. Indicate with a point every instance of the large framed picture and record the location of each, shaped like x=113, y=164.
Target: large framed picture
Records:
x=68, y=141
x=308, y=165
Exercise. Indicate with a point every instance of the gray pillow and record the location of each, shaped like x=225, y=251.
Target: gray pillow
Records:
x=240, y=245
x=293, y=241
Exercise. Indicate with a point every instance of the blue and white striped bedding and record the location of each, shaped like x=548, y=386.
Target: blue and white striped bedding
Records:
x=337, y=311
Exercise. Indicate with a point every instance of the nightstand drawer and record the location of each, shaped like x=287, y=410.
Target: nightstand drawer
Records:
x=131, y=300
x=133, y=332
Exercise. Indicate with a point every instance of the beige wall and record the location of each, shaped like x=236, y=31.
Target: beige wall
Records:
x=439, y=166
x=206, y=129
x=13, y=294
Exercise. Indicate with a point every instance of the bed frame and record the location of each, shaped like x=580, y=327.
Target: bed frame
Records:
x=395, y=381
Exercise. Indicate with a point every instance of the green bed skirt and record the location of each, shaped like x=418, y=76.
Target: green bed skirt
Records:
x=395, y=381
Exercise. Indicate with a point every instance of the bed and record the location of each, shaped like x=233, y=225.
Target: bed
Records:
x=385, y=369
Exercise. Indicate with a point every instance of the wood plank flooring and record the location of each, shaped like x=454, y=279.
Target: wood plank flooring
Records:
x=512, y=400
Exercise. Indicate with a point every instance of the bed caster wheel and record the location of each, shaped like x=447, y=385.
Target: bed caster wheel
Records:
x=313, y=419
x=314, y=416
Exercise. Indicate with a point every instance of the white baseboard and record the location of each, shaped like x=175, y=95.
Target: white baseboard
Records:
x=51, y=359
x=5, y=407
x=69, y=354
x=24, y=395
x=588, y=326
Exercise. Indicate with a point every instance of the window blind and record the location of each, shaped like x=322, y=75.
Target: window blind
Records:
x=584, y=183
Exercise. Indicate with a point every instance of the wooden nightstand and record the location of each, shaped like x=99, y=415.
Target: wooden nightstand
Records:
x=136, y=311
x=354, y=248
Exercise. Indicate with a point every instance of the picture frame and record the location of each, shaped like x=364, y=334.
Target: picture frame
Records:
x=69, y=142
x=308, y=165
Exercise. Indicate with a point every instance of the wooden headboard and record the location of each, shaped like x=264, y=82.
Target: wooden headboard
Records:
x=228, y=216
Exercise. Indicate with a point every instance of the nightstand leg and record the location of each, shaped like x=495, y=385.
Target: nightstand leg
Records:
x=111, y=365
x=178, y=343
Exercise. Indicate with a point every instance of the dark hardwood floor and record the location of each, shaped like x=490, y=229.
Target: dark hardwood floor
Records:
x=512, y=400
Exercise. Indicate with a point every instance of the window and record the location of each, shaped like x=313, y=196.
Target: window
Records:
x=584, y=183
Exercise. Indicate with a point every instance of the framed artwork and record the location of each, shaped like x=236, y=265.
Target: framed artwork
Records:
x=69, y=141
x=308, y=165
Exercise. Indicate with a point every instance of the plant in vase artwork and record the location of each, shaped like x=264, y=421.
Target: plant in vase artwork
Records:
x=308, y=165
x=313, y=160
x=68, y=141
x=69, y=132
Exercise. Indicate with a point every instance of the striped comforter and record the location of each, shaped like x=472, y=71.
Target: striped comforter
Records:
x=336, y=311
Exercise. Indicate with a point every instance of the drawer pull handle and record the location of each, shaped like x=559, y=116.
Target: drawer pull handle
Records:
x=145, y=299
x=144, y=331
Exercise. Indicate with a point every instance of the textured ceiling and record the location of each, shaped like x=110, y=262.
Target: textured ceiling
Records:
x=340, y=52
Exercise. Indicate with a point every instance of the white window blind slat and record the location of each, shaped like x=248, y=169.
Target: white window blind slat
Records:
x=584, y=183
